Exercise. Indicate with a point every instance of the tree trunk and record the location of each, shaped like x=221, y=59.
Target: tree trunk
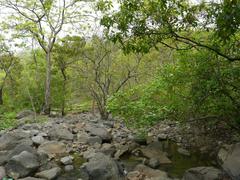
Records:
x=1, y=96
x=47, y=103
x=63, y=91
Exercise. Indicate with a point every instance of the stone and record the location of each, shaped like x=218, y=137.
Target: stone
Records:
x=108, y=149
x=2, y=172
x=20, y=148
x=52, y=148
x=153, y=163
x=162, y=137
x=10, y=140
x=49, y=174
x=229, y=157
x=89, y=154
x=68, y=168
x=3, y=157
x=183, y=151
x=60, y=133
x=121, y=151
x=102, y=167
x=153, y=151
x=24, y=114
x=22, y=165
x=82, y=137
x=94, y=139
x=38, y=140
x=203, y=173
x=150, y=173
x=67, y=160
x=31, y=178
x=99, y=131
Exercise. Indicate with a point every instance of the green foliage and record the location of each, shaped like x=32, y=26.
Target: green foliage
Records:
x=195, y=86
x=7, y=119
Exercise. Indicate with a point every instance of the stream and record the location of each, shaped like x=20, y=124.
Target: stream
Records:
x=180, y=162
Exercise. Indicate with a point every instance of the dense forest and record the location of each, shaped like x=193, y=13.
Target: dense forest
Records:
x=141, y=63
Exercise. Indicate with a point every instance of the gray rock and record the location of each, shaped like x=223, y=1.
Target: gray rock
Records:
x=2, y=172
x=68, y=168
x=99, y=131
x=153, y=163
x=183, y=151
x=121, y=151
x=3, y=157
x=108, y=149
x=22, y=165
x=10, y=140
x=49, y=174
x=102, y=167
x=153, y=150
x=162, y=137
x=60, y=133
x=153, y=174
x=94, y=139
x=24, y=113
x=38, y=140
x=203, y=173
x=82, y=137
x=31, y=178
x=52, y=148
x=67, y=160
x=229, y=158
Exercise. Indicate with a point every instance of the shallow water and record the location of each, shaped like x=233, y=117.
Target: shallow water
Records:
x=180, y=163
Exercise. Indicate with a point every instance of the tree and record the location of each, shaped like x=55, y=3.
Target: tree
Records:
x=66, y=53
x=106, y=70
x=43, y=20
x=177, y=24
x=7, y=63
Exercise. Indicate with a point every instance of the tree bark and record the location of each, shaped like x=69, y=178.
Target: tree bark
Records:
x=1, y=96
x=63, y=91
x=47, y=103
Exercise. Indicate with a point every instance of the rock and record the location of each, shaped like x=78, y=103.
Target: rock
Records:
x=31, y=178
x=20, y=148
x=134, y=175
x=102, y=167
x=153, y=151
x=153, y=163
x=52, y=148
x=140, y=140
x=183, y=151
x=121, y=151
x=162, y=137
x=108, y=149
x=203, y=173
x=38, y=140
x=22, y=165
x=99, y=131
x=83, y=137
x=3, y=157
x=11, y=140
x=24, y=114
x=67, y=160
x=68, y=168
x=150, y=173
x=89, y=154
x=229, y=158
x=94, y=139
x=60, y=133
x=49, y=174
x=2, y=172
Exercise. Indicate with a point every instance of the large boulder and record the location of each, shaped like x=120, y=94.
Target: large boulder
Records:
x=153, y=151
x=229, y=159
x=103, y=167
x=99, y=131
x=203, y=173
x=22, y=165
x=10, y=140
x=49, y=174
x=60, y=133
x=142, y=171
x=52, y=148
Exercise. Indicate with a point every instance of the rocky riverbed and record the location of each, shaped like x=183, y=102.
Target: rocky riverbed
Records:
x=85, y=147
